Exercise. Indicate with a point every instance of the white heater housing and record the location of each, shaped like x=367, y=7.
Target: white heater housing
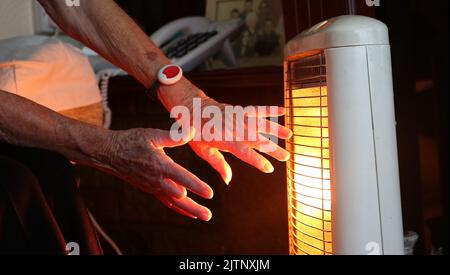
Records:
x=343, y=179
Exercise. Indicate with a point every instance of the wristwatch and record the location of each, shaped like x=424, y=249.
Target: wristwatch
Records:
x=170, y=74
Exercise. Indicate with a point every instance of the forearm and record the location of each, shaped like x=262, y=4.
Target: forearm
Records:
x=27, y=124
x=107, y=29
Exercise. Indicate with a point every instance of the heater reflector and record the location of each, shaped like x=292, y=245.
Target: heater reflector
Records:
x=308, y=170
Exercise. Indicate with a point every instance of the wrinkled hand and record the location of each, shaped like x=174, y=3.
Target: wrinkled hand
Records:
x=254, y=124
x=137, y=156
x=184, y=92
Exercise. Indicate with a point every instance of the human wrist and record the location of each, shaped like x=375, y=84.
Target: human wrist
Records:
x=179, y=94
x=89, y=146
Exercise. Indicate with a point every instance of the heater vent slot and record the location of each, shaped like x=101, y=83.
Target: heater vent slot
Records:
x=308, y=171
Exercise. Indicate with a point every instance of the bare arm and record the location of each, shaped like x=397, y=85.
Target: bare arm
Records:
x=27, y=124
x=136, y=156
x=104, y=27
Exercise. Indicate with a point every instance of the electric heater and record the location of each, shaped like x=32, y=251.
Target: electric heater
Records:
x=343, y=181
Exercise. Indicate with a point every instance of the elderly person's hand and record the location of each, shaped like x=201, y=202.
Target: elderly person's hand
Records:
x=104, y=27
x=254, y=124
x=137, y=156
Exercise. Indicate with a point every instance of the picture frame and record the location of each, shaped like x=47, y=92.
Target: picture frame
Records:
x=262, y=39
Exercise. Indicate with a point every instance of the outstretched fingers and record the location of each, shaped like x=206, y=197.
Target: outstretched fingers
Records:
x=215, y=158
x=250, y=156
x=166, y=139
x=265, y=111
x=272, y=149
x=274, y=129
x=186, y=207
x=173, y=189
x=185, y=178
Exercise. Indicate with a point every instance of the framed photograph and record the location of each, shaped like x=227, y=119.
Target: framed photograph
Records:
x=261, y=41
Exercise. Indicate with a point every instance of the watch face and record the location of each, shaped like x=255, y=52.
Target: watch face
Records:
x=170, y=74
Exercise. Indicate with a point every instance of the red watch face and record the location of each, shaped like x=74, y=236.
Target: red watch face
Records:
x=171, y=72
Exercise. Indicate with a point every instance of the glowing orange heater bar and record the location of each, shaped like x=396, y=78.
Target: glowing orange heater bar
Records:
x=309, y=168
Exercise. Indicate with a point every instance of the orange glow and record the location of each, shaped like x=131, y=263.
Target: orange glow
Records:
x=308, y=172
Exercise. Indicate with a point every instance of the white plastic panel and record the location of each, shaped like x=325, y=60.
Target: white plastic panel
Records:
x=356, y=216
x=380, y=71
x=341, y=31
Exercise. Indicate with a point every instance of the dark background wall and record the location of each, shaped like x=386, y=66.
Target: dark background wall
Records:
x=153, y=14
x=419, y=39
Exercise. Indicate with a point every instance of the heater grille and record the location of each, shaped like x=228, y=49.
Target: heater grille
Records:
x=308, y=171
